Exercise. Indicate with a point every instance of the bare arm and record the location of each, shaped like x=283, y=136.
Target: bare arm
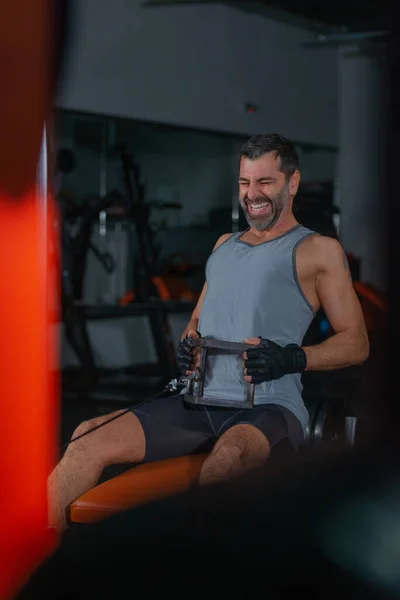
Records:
x=194, y=319
x=349, y=344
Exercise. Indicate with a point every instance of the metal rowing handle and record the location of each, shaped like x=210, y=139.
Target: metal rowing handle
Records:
x=221, y=345
x=195, y=387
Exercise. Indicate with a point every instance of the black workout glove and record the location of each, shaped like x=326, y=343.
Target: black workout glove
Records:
x=184, y=355
x=270, y=361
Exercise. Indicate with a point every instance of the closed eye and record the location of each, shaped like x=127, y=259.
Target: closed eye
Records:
x=266, y=181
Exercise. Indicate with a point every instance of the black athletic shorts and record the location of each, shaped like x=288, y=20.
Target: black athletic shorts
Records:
x=173, y=427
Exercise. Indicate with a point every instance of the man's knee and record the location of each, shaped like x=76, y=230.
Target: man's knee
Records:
x=116, y=437
x=84, y=427
x=83, y=434
x=90, y=436
x=241, y=448
x=234, y=446
x=243, y=443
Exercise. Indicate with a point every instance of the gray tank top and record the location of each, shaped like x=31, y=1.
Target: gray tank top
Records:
x=254, y=291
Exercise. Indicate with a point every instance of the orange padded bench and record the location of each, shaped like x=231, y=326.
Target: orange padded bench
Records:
x=141, y=484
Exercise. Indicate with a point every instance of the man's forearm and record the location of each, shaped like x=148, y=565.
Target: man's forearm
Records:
x=343, y=349
x=192, y=325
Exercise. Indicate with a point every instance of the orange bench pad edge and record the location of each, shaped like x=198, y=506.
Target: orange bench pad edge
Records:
x=139, y=485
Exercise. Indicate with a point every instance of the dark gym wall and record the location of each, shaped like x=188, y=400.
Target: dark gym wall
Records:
x=198, y=65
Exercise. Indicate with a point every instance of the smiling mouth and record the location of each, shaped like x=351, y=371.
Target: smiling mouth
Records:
x=259, y=208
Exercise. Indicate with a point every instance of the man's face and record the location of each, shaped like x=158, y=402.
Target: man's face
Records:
x=264, y=192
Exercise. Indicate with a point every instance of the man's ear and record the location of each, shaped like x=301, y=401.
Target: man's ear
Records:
x=294, y=183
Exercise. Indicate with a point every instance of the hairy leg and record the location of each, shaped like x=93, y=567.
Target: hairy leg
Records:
x=241, y=448
x=121, y=441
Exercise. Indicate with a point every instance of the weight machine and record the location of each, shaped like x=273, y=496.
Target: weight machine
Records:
x=146, y=301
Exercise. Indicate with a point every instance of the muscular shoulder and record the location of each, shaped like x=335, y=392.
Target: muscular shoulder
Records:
x=320, y=252
x=223, y=238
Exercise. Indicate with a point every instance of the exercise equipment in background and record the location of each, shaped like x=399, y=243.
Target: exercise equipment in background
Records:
x=112, y=270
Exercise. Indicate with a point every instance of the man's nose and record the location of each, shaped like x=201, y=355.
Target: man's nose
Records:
x=253, y=192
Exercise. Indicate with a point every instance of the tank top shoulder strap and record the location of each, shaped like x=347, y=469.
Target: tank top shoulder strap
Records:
x=298, y=234
x=232, y=237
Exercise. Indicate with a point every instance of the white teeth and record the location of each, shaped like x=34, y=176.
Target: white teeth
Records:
x=259, y=206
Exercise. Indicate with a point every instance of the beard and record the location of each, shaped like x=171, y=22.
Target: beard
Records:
x=275, y=208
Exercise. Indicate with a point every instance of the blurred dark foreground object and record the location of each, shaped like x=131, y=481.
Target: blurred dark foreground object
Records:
x=326, y=524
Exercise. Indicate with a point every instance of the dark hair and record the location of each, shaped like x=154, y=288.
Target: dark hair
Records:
x=261, y=144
